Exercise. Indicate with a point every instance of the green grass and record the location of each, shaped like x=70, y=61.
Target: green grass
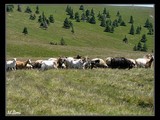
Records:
x=86, y=34
x=108, y=92
x=81, y=92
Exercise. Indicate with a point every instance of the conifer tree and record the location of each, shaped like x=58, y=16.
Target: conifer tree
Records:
x=51, y=19
x=28, y=10
x=66, y=23
x=103, y=22
x=135, y=48
x=92, y=20
x=122, y=23
x=139, y=46
x=147, y=23
x=92, y=12
x=125, y=39
x=132, y=30
x=138, y=30
x=118, y=14
x=19, y=8
x=25, y=31
x=87, y=13
x=107, y=29
x=104, y=11
x=144, y=48
x=120, y=19
x=131, y=20
x=37, y=10
x=112, y=29
x=143, y=39
x=81, y=7
x=62, y=42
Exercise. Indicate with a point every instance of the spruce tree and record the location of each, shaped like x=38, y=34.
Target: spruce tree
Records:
x=122, y=23
x=103, y=22
x=66, y=23
x=62, y=42
x=51, y=19
x=143, y=39
x=138, y=30
x=71, y=14
x=120, y=19
x=25, y=31
x=131, y=20
x=135, y=48
x=147, y=23
x=118, y=14
x=92, y=12
x=87, y=13
x=83, y=17
x=107, y=29
x=37, y=10
x=139, y=46
x=28, y=10
x=92, y=20
x=81, y=7
x=104, y=11
x=108, y=15
x=150, y=31
x=10, y=8
x=144, y=48
x=112, y=29
x=19, y=8
x=125, y=39
x=132, y=30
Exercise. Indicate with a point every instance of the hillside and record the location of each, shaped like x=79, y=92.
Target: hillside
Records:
x=86, y=39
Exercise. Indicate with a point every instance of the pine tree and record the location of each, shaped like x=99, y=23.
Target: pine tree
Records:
x=108, y=15
x=125, y=39
x=139, y=46
x=135, y=48
x=104, y=11
x=19, y=8
x=76, y=15
x=83, y=17
x=118, y=14
x=51, y=19
x=28, y=10
x=112, y=29
x=138, y=30
x=120, y=19
x=115, y=23
x=25, y=31
x=87, y=13
x=132, y=30
x=10, y=8
x=92, y=12
x=103, y=22
x=92, y=20
x=71, y=14
x=131, y=20
x=144, y=48
x=107, y=29
x=62, y=42
x=37, y=10
x=66, y=23
x=150, y=31
x=122, y=23
x=143, y=39
x=147, y=23
x=81, y=7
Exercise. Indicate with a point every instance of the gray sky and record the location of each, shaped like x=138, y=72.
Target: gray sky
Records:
x=140, y=5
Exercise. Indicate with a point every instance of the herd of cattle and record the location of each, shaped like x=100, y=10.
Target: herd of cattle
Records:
x=80, y=62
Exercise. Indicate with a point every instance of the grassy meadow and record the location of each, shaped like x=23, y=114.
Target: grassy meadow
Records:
x=108, y=92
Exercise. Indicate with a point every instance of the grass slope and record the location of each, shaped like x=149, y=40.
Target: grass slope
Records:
x=86, y=34
x=91, y=92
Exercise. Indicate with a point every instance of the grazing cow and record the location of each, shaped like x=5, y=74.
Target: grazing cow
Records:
x=22, y=64
x=87, y=64
x=145, y=62
x=98, y=63
x=133, y=61
x=73, y=63
x=29, y=66
x=11, y=64
x=121, y=63
x=37, y=64
x=48, y=64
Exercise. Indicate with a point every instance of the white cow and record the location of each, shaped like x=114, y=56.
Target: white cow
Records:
x=48, y=64
x=11, y=64
x=145, y=62
x=73, y=63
